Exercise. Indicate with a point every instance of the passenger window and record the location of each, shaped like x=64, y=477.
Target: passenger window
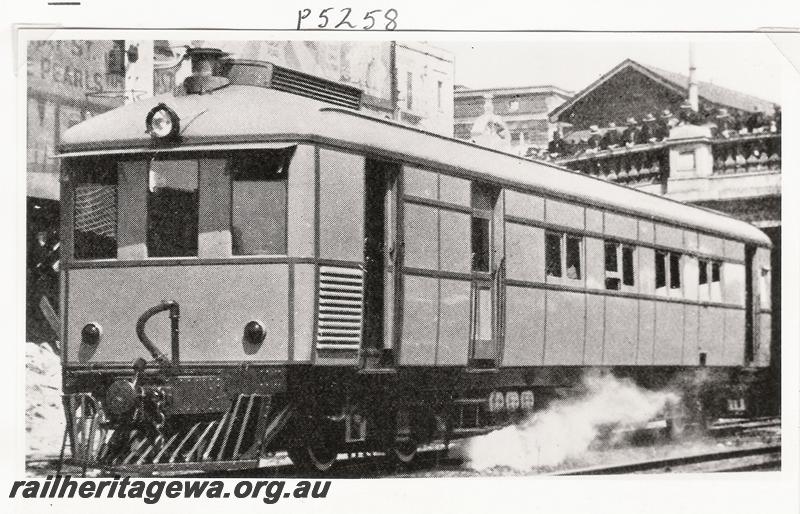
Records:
x=563, y=251
x=615, y=277
x=661, y=270
x=95, y=213
x=715, y=271
x=258, y=207
x=480, y=244
x=483, y=200
x=553, y=255
x=573, y=257
x=674, y=271
x=628, y=274
x=703, y=271
x=172, y=208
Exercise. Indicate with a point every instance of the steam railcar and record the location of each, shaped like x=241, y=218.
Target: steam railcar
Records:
x=258, y=266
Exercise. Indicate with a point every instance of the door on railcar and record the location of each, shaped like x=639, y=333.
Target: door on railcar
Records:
x=752, y=301
x=380, y=258
x=487, y=278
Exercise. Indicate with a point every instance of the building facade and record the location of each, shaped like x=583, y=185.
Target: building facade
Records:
x=523, y=110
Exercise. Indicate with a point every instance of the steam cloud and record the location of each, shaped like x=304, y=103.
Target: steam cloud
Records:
x=566, y=429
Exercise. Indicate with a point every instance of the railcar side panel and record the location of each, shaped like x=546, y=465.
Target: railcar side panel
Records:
x=734, y=250
x=616, y=225
x=453, y=332
x=522, y=205
x=669, y=334
x=525, y=328
x=565, y=328
x=132, y=209
x=733, y=278
x=341, y=205
x=524, y=254
x=711, y=334
x=621, y=331
x=647, y=328
x=301, y=200
x=691, y=352
x=454, y=241
x=420, y=224
x=594, y=221
x=564, y=214
x=454, y=190
x=420, y=321
x=646, y=273
x=594, y=330
x=421, y=183
x=647, y=232
x=668, y=236
x=595, y=265
x=733, y=354
x=304, y=311
x=214, y=206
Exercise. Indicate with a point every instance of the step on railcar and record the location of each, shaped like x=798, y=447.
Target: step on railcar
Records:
x=256, y=266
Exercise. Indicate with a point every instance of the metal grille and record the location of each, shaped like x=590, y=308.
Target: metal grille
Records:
x=341, y=308
x=309, y=86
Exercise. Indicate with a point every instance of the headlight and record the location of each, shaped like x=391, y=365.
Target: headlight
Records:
x=91, y=333
x=254, y=332
x=162, y=122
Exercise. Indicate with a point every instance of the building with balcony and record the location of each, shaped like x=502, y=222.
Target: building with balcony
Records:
x=523, y=110
x=726, y=162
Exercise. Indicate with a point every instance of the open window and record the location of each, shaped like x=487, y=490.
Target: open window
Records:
x=668, y=273
x=619, y=265
x=563, y=256
x=172, y=208
x=709, y=280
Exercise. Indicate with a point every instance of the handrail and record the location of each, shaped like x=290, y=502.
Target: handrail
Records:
x=174, y=316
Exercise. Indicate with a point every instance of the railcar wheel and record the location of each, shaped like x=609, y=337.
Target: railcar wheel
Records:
x=313, y=458
x=403, y=452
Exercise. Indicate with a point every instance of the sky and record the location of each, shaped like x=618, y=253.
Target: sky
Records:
x=747, y=63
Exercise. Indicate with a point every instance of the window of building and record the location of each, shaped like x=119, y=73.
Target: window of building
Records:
x=95, y=211
x=172, y=208
x=563, y=252
x=409, y=91
x=258, y=207
x=616, y=254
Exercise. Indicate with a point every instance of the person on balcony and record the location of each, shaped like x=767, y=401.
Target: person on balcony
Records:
x=724, y=123
x=665, y=123
x=556, y=146
x=595, y=138
x=756, y=121
x=647, y=132
x=611, y=139
x=631, y=132
x=687, y=115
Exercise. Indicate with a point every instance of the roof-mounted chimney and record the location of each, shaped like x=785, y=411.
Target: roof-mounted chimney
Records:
x=694, y=100
x=206, y=68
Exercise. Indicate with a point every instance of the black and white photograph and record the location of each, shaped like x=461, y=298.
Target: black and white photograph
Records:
x=256, y=259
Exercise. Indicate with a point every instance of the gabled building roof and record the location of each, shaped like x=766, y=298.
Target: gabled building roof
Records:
x=677, y=82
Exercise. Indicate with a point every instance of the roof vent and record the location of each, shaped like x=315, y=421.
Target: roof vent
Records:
x=206, y=67
x=264, y=74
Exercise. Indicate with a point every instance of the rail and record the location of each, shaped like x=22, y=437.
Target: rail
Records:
x=674, y=462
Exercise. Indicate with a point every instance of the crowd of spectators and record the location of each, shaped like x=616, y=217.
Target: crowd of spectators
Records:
x=651, y=129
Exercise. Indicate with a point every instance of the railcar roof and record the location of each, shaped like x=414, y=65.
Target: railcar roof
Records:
x=249, y=114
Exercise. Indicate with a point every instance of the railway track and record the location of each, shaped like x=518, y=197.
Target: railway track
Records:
x=766, y=457
x=435, y=459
